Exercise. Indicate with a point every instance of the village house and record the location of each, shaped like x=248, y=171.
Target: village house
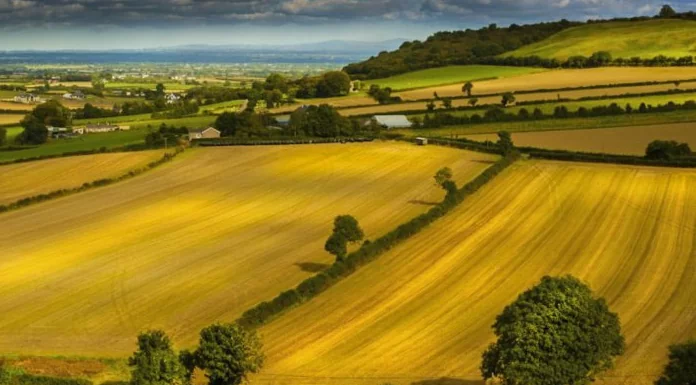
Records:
x=172, y=98
x=77, y=95
x=203, y=133
x=392, y=121
x=100, y=127
x=27, y=98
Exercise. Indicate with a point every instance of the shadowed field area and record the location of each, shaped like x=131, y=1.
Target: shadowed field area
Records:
x=424, y=310
x=198, y=240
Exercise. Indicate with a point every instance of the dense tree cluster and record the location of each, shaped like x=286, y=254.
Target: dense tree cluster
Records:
x=50, y=113
x=382, y=95
x=681, y=368
x=667, y=149
x=556, y=333
x=226, y=353
x=244, y=124
x=321, y=121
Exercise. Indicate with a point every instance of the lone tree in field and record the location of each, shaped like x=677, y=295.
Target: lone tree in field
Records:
x=443, y=175
x=473, y=101
x=508, y=98
x=681, y=368
x=666, y=12
x=155, y=362
x=447, y=103
x=227, y=353
x=556, y=333
x=467, y=87
x=346, y=230
x=505, y=142
x=430, y=106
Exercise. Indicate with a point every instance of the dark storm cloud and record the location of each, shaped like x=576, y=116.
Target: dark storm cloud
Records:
x=158, y=13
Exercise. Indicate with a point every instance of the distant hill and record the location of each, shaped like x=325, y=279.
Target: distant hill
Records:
x=329, y=46
x=645, y=39
x=458, y=47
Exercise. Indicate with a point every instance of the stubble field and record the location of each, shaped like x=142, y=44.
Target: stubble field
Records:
x=198, y=240
x=424, y=310
x=23, y=180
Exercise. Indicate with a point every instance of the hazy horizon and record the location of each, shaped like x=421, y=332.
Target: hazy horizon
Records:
x=141, y=24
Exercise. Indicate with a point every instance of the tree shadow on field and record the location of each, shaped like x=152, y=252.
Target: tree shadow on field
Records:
x=449, y=381
x=421, y=202
x=481, y=161
x=312, y=267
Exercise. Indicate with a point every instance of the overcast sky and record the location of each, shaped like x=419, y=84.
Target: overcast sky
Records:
x=109, y=24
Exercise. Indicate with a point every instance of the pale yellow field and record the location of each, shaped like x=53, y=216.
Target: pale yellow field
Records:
x=198, y=240
x=11, y=118
x=424, y=310
x=16, y=106
x=23, y=180
x=561, y=79
x=618, y=140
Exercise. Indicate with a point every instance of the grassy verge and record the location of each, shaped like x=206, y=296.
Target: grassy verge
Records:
x=83, y=143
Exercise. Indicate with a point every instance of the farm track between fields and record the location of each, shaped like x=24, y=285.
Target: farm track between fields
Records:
x=424, y=310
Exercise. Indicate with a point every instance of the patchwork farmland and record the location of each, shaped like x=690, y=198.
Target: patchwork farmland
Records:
x=430, y=302
x=198, y=240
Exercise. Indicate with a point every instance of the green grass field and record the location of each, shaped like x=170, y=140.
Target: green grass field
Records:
x=81, y=143
x=645, y=39
x=449, y=75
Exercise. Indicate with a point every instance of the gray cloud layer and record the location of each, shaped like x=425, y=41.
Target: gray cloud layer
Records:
x=159, y=13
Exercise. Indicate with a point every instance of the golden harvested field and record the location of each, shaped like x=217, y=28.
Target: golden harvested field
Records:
x=561, y=79
x=11, y=118
x=16, y=106
x=339, y=102
x=198, y=240
x=618, y=140
x=33, y=178
x=424, y=310
x=536, y=96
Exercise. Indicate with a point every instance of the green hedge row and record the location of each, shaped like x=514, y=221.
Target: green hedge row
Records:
x=572, y=156
x=311, y=287
x=269, y=142
x=86, y=186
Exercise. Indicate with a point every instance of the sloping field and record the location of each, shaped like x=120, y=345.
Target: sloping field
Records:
x=450, y=74
x=562, y=78
x=543, y=96
x=424, y=310
x=618, y=140
x=23, y=180
x=11, y=118
x=645, y=39
x=198, y=240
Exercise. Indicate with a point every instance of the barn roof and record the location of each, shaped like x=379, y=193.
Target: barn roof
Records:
x=392, y=121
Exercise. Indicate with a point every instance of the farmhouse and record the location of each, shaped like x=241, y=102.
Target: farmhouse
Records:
x=77, y=95
x=392, y=121
x=172, y=98
x=100, y=127
x=27, y=98
x=203, y=133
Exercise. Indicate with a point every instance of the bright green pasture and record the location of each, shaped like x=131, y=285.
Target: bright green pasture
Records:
x=450, y=75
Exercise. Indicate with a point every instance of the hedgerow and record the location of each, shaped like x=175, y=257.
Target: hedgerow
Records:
x=369, y=251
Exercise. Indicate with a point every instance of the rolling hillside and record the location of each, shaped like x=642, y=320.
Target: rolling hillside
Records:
x=644, y=39
x=198, y=240
x=424, y=310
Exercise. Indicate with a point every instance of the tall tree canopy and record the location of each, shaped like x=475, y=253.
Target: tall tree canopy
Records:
x=556, y=333
x=228, y=353
x=155, y=362
x=681, y=368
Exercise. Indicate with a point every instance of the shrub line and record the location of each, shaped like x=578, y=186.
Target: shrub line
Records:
x=24, y=202
x=369, y=251
x=102, y=150
x=275, y=142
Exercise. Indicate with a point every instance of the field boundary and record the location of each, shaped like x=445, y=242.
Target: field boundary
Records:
x=240, y=142
x=369, y=251
x=567, y=156
x=28, y=201
x=102, y=150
